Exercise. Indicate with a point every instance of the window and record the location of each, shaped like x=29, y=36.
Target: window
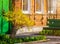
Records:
x=26, y=6
x=52, y=6
x=39, y=6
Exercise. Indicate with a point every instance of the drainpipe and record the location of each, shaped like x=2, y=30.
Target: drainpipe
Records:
x=46, y=10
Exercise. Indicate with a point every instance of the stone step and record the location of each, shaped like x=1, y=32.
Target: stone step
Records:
x=29, y=30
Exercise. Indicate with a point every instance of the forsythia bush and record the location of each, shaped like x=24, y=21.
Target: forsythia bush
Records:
x=18, y=19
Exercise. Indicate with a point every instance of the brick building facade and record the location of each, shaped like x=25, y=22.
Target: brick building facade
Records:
x=39, y=10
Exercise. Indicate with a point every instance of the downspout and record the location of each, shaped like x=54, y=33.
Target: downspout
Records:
x=46, y=10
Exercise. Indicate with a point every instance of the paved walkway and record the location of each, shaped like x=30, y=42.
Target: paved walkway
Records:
x=51, y=42
x=38, y=42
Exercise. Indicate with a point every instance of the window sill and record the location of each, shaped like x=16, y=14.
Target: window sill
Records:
x=26, y=12
x=51, y=12
x=37, y=12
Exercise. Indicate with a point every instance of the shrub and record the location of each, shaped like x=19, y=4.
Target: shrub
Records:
x=18, y=20
x=50, y=32
x=9, y=40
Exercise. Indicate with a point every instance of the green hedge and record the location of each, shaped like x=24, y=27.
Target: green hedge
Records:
x=50, y=32
x=54, y=22
x=5, y=39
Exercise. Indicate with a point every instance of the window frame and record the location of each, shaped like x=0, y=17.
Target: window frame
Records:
x=42, y=8
x=28, y=9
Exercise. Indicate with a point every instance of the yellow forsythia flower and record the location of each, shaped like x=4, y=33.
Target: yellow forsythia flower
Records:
x=18, y=18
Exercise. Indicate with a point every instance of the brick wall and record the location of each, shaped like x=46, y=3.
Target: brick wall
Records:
x=39, y=19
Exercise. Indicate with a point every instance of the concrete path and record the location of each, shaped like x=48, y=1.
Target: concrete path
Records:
x=38, y=42
x=51, y=42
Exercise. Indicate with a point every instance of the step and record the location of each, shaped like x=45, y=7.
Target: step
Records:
x=29, y=30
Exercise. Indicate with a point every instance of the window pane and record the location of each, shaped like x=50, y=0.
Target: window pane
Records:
x=25, y=5
x=49, y=5
x=52, y=6
x=38, y=5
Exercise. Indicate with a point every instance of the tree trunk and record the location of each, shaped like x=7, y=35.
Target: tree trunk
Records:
x=13, y=32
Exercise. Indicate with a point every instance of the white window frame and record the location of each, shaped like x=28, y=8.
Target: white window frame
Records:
x=42, y=8
x=53, y=10
x=27, y=11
